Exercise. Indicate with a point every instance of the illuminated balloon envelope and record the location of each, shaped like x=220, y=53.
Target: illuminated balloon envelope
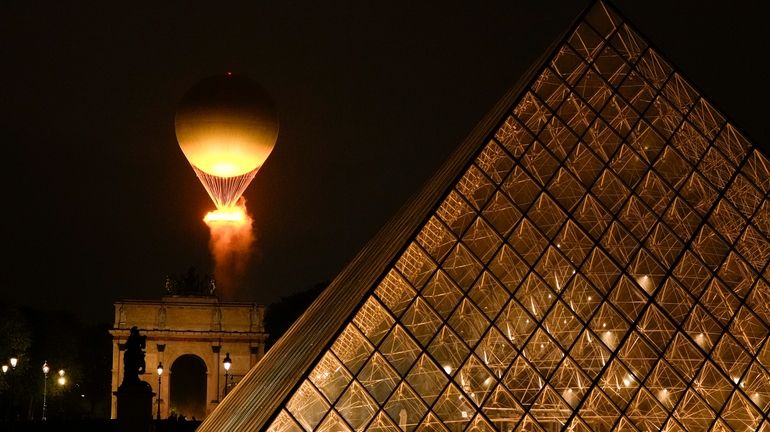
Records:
x=226, y=126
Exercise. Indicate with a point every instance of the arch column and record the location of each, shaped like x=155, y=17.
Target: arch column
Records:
x=214, y=380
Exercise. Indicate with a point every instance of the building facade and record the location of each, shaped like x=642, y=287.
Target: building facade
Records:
x=594, y=257
x=190, y=335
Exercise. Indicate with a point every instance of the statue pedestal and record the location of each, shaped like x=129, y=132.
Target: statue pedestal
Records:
x=134, y=406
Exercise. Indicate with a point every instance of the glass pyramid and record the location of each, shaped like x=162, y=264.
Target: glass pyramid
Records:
x=599, y=263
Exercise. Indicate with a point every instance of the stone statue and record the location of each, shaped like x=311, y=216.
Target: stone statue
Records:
x=134, y=404
x=169, y=285
x=133, y=358
x=190, y=284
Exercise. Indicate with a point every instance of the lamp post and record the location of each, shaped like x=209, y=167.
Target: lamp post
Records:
x=160, y=373
x=46, y=369
x=13, y=361
x=227, y=363
x=5, y=368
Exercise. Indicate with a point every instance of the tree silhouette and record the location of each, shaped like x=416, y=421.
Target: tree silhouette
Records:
x=280, y=315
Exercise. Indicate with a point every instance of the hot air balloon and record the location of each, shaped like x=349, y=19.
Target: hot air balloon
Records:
x=227, y=126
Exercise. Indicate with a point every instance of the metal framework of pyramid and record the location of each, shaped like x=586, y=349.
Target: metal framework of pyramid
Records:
x=593, y=257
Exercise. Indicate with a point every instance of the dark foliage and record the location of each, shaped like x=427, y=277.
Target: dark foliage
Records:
x=59, y=338
x=282, y=314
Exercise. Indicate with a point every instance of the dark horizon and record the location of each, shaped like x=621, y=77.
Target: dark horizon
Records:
x=372, y=99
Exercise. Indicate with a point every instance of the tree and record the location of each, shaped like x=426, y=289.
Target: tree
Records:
x=16, y=337
x=15, y=341
x=280, y=315
x=84, y=352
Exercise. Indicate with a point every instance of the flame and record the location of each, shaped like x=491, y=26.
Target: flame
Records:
x=232, y=215
x=232, y=239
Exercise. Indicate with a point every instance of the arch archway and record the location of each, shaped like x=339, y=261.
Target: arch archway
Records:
x=188, y=386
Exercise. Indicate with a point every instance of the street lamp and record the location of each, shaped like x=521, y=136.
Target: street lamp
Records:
x=62, y=380
x=46, y=369
x=160, y=373
x=13, y=361
x=227, y=363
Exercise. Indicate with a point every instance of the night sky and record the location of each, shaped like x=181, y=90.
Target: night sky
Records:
x=100, y=204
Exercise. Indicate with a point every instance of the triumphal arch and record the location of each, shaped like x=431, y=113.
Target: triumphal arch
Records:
x=190, y=332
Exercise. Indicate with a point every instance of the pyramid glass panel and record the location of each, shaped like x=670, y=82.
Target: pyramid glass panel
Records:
x=596, y=261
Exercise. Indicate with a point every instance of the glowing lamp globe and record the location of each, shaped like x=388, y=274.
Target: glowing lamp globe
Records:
x=226, y=126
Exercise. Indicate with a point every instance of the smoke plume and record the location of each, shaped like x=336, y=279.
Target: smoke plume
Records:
x=231, y=244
